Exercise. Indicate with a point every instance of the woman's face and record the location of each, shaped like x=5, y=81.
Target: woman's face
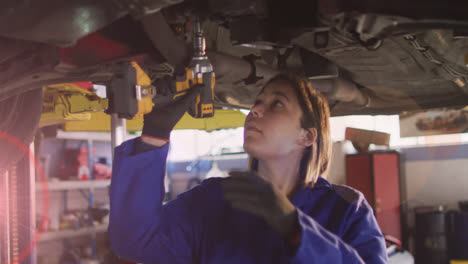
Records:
x=273, y=126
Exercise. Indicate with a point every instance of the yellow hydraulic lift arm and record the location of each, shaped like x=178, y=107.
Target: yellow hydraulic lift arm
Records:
x=70, y=102
x=78, y=109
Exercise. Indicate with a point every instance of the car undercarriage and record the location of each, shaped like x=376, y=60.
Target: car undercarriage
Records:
x=367, y=57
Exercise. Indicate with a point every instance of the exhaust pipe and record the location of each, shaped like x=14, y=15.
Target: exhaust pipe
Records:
x=342, y=90
x=230, y=71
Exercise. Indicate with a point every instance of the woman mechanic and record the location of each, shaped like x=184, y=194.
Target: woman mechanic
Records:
x=281, y=210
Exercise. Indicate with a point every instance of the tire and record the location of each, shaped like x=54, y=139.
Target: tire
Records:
x=19, y=117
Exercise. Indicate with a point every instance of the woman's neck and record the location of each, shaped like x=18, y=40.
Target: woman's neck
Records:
x=282, y=173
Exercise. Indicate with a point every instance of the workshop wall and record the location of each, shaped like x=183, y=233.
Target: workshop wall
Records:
x=435, y=175
x=430, y=176
x=337, y=174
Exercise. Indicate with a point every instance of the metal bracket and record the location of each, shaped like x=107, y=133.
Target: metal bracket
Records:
x=252, y=78
x=85, y=195
x=147, y=91
x=283, y=58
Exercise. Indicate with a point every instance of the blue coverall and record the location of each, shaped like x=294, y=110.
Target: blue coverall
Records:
x=338, y=225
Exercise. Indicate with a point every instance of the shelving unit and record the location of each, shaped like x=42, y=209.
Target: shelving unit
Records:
x=94, y=136
x=87, y=188
x=67, y=186
x=71, y=185
x=49, y=236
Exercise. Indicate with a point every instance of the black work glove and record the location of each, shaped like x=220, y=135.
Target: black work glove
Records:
x=249, y=192
x=165, y=115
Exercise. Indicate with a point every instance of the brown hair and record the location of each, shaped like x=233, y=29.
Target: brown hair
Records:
x=316, y=159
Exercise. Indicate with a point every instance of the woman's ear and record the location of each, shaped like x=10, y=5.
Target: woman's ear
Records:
x=307, y=137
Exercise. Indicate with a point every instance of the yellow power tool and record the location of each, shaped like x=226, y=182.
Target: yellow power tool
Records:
x=136, y=101
x=198, y=72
